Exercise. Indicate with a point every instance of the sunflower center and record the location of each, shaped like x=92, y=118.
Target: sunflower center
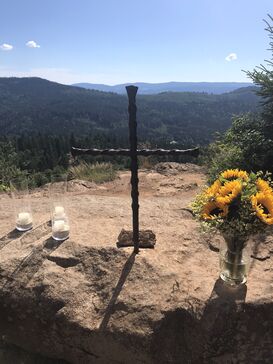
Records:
x=232, y=178
x=265, y=209
x=216, y=211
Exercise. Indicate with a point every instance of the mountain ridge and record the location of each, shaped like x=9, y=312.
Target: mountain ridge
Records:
x=146, y=88
x=35, y=105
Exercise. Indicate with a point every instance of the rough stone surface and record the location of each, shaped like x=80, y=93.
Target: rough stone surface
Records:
x=147, y=239
x=86, y=301
x=11, y=354
x=173, y=168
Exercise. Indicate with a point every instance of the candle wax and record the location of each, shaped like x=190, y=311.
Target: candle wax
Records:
x=59, y=226
x=24, y=218
x=59, y=211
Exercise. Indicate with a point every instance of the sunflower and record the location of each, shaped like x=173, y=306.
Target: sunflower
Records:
x=229, y=192
x=212, y=210
x=234, y=174
x=262, y=203
x=213, y=189
x=263, y=186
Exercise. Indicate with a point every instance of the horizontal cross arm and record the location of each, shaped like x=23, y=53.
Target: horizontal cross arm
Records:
x=146, y=152
x=126, y=152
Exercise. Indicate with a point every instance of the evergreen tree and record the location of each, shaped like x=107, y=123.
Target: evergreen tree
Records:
x=262, y=76
x=248, y=144
x=8, y=164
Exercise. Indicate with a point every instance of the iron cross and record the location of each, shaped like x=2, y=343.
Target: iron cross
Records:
x=133, y=153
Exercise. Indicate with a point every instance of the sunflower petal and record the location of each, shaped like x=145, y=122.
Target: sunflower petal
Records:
x=234, y=174
x=262, y=204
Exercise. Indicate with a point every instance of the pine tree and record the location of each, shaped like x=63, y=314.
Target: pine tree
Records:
x=248, y=144
x=262, y=76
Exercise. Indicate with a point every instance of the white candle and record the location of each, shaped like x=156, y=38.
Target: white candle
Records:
x=59, y=211
x=24, y=218
x=59, y=226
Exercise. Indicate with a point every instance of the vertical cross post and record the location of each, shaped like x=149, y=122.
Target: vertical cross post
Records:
x=131, y=92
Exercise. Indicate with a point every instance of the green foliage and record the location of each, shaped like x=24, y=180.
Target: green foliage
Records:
x=8, y=165
x=221, y=156
x=39, y=156
x=243, y=146
x=4, y=188
x=98, y=172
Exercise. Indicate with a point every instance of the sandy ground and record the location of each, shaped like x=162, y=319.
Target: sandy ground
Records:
x=97, y=213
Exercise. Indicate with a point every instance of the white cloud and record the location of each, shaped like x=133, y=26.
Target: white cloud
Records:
x=32, y=44
x=231, y=57
x=6, y=47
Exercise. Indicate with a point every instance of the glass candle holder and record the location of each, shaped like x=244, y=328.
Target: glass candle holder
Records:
x=59, y=218
x=21, y=202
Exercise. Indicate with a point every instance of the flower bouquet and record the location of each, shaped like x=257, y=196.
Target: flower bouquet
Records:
x=238, y=205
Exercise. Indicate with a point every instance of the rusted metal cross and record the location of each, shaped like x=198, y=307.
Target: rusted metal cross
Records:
x=133, y=153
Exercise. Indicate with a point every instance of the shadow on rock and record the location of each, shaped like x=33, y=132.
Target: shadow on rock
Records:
x=177, y=339
x=220, y=318
x=195, y=336
x=9, y=237
x=222, y=292
x=224, y=301
x=26, y=237
x=33, y=261
x=122, y=279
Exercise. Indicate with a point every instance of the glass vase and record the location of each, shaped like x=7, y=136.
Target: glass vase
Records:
x=59, y=217
x=21, y=203
x=235, y=255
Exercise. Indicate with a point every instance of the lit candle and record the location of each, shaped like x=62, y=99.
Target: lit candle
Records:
x=59, y=211
x=59, y=226
x=24, y=218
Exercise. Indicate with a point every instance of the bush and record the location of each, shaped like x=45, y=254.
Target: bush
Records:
x=38, y=179
x=221, y=156
x=243, y=146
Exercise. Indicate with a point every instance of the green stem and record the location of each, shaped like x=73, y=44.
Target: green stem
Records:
x=234, y=255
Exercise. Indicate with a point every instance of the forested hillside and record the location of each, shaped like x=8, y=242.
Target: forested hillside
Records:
x=34, y=105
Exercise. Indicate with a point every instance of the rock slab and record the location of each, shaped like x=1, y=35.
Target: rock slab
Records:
x=85, y=301
x=106, y=305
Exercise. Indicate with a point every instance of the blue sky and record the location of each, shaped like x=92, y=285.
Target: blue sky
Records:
x=116, y=41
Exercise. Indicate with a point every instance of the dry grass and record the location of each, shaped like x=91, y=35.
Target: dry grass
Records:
x=98, y=172
x=146, y=162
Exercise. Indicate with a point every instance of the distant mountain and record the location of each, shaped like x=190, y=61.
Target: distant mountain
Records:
x=155, y=88
x=34, y=105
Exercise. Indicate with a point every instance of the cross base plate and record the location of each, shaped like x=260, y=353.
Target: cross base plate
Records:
x=147, y=239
